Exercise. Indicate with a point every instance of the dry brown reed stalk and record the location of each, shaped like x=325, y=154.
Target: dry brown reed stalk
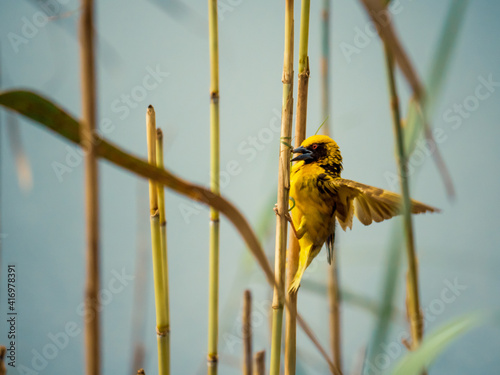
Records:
x=247, y=333
x=334, y=312
x=87, y=62
x=380, y=16
x=3, y=351
x=259, y=366
x=283, y=192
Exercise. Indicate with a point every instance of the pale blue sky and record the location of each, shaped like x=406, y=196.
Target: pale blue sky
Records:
x=44, y=227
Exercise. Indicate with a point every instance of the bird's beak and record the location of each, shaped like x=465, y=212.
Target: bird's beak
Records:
x=305, y=154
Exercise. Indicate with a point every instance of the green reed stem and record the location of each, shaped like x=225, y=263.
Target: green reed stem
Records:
x=157, y=251
x=163, y=245
x=413, y=302
x=213, y=275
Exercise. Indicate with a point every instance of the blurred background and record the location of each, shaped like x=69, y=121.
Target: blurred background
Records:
x=156, y=52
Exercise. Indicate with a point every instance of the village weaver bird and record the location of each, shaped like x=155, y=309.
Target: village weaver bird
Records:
x=320, y=196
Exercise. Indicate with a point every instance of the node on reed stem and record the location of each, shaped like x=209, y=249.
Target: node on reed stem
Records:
x=163, y=245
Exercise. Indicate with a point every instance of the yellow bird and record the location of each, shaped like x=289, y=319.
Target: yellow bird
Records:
x=320, y=196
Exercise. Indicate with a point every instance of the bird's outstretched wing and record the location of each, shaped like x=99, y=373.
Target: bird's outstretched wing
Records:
x=368, y=203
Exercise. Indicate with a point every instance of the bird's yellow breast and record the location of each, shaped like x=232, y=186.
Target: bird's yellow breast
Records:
x=316, y=208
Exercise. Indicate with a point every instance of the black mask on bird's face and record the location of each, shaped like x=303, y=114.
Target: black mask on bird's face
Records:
x=320, y=150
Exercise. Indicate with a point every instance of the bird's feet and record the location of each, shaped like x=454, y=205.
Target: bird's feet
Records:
x=288, y=218
x=287, y=215
x=294, y=286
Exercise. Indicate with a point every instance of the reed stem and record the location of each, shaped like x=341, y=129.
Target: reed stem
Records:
x=3, y=352
x=163, y=245
x=333, y=277
x=140, y=285
x=247, y=333
x=158, y=258
x=325, y=66
x=88, y=77
x=259, y=367
x=283, y=192
x=213, y=276
x=413, y=302
x=300, y=134
x=334, y=315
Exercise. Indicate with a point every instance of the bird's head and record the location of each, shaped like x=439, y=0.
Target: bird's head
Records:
x=322, y=150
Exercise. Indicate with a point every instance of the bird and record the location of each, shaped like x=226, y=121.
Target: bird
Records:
x=319, y=197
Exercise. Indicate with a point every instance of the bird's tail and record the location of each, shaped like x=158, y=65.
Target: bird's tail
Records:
x=303, y=263
x=296, y=281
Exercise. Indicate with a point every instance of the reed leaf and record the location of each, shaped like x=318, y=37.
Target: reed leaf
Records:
x=439, y=69
x=388, y=35
x=352, y=298
x=416, y=119
x=435, y=343
x=392, y=274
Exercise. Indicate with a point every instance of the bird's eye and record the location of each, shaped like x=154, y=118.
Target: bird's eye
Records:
x=314, y=146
